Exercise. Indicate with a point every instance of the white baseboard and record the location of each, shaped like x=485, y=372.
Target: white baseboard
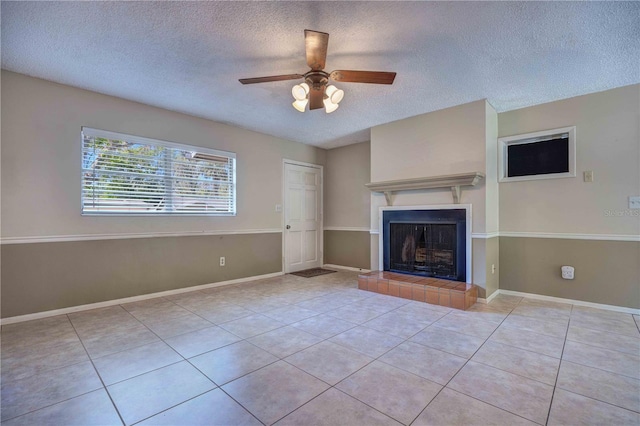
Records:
x=346, y=268
x=488, y=299
x=570, y=301
x=72, y=309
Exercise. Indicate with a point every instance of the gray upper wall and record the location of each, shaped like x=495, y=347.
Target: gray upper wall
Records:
x=347, y=200
x=41, y=161
x=607, y=142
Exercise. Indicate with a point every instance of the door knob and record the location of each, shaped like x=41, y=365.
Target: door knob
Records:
x=288, y=226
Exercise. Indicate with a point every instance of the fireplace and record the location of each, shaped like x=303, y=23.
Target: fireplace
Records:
x=426, y=243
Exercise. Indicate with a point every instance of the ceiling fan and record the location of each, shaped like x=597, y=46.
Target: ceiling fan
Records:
x=316, y=89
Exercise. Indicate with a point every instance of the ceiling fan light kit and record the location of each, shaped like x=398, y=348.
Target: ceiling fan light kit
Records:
x=316, y=90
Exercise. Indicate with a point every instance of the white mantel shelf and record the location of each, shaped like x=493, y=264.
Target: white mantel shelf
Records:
x=455, y=182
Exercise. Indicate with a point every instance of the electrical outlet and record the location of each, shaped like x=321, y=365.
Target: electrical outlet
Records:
x=588, y=176
x=222, y=261
x=634, y=202
x=278, y=208
x=493, y=268
x=567, y=272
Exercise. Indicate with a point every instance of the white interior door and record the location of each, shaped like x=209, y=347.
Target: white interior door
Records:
x=302, y=217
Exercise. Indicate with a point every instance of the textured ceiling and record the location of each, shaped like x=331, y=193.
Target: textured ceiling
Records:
x=188, y=56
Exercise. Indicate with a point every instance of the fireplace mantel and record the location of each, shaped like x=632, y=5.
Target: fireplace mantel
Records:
x=455, y=182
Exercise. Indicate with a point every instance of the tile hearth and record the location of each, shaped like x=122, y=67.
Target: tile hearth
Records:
x=451, y=294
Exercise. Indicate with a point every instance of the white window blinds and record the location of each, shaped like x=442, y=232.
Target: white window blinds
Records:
x=131, y=175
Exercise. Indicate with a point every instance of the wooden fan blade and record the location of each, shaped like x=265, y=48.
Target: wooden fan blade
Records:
x=316, y=46
x=375, y=77
x=271, y=78
x=316, y=96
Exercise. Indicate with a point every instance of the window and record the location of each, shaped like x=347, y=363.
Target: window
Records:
x=541, y=155
x=130, y=175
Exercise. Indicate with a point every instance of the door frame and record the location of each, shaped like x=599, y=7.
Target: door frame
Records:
x=286, y=161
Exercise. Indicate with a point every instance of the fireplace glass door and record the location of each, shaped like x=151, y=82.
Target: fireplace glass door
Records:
x=427, y=249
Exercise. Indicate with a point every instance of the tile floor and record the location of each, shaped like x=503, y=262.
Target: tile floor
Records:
x=310, y=351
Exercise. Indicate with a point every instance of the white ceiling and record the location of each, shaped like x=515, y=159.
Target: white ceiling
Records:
x=188, y=56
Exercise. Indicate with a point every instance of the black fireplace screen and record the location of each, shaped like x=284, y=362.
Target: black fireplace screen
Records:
x=427, y=249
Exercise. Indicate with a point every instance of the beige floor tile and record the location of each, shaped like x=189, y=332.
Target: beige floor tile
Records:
x=485, y=312
x=572, y=409
x=222, y=314
x=48, y=388
x=336, y=408
x=329, y=362
x=46, y=332
x=93, y=408
x=233, y=361
x=518, y=395
x=126, y=338
x=604, y=359
x=156, y=309
x=423, y=311
x=148, y=394
x=519, y=361
x=133, y=362
x=428, y=363
x=394, y=392
x=548, y=328
x=357, y=315
x=560, y=306
x=398, y=324
x=197, y=342
x=212, y=408
x=290, y=314
x=543, y=312
x=623, y=324
x=454, y=408
x=367, y=341
x=579, y=311
x=448, y=341
x=274, y=391
x=175, y=326
x=260, y=304
x=285, y=341
x=612, y=388
x=324, y=326
x=528, y=340
x=604, y=339
x=462, y=324
x=103, y=320
x=506, y=300
x=322, y=304
x=24, y=361
x=251, y=326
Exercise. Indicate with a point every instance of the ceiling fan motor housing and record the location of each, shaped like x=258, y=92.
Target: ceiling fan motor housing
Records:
x=316, y=79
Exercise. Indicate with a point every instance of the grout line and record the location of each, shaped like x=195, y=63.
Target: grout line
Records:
x=555, y=385
x=97, y=373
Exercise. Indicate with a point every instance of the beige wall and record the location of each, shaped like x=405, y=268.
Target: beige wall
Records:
x=608, y=143
x=453, y=140
x=41, y=161
x=40, y=175
x=606, y=271
x=347, y=248
x=347, y=205
x=444, y=142
x=347, y=170
x=40, y=277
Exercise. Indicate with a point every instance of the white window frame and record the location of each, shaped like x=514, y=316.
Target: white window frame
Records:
x=526, y=138
x=87, y=131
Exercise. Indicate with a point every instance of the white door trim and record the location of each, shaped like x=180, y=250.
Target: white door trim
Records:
x=286, y=161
